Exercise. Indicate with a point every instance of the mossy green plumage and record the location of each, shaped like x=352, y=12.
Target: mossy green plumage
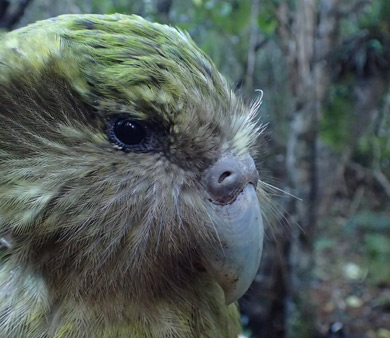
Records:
x=106, y=243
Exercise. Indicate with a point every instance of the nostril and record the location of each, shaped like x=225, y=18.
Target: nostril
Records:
x=223, y=176
x=225, y=179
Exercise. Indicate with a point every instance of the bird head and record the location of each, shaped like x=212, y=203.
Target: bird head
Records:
x=125, y=160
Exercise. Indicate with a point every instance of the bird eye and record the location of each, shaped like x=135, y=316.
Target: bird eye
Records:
x=129, y=132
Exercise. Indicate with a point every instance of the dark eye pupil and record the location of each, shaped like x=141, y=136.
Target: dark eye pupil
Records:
x=129, y=132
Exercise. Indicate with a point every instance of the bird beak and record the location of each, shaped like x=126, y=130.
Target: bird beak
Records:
x=234, y=261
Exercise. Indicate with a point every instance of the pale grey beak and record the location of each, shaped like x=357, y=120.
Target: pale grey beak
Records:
x=233, y=263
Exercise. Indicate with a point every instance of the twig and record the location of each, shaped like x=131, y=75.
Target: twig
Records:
x=383, y=181
x=377, y=174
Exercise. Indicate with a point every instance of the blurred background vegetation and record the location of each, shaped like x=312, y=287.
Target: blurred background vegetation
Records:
x=324, y=67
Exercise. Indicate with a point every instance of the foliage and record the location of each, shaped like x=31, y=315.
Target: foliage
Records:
x=378, y=253
x=337, y=116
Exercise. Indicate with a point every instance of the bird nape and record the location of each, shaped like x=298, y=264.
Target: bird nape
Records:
x=128, y=193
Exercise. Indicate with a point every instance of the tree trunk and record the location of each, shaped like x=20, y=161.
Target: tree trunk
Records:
x=308, y=35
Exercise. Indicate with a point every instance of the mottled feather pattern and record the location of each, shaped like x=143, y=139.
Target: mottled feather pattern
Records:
x=107, y=243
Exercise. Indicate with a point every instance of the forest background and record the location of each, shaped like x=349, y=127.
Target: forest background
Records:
x=324, y=68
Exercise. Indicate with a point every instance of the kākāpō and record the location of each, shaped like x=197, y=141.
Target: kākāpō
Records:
x=128, y=199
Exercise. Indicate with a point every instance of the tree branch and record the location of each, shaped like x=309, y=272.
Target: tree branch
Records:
x=376, y=174
x=253, y=41
x=9, y=20
x=354, y=8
